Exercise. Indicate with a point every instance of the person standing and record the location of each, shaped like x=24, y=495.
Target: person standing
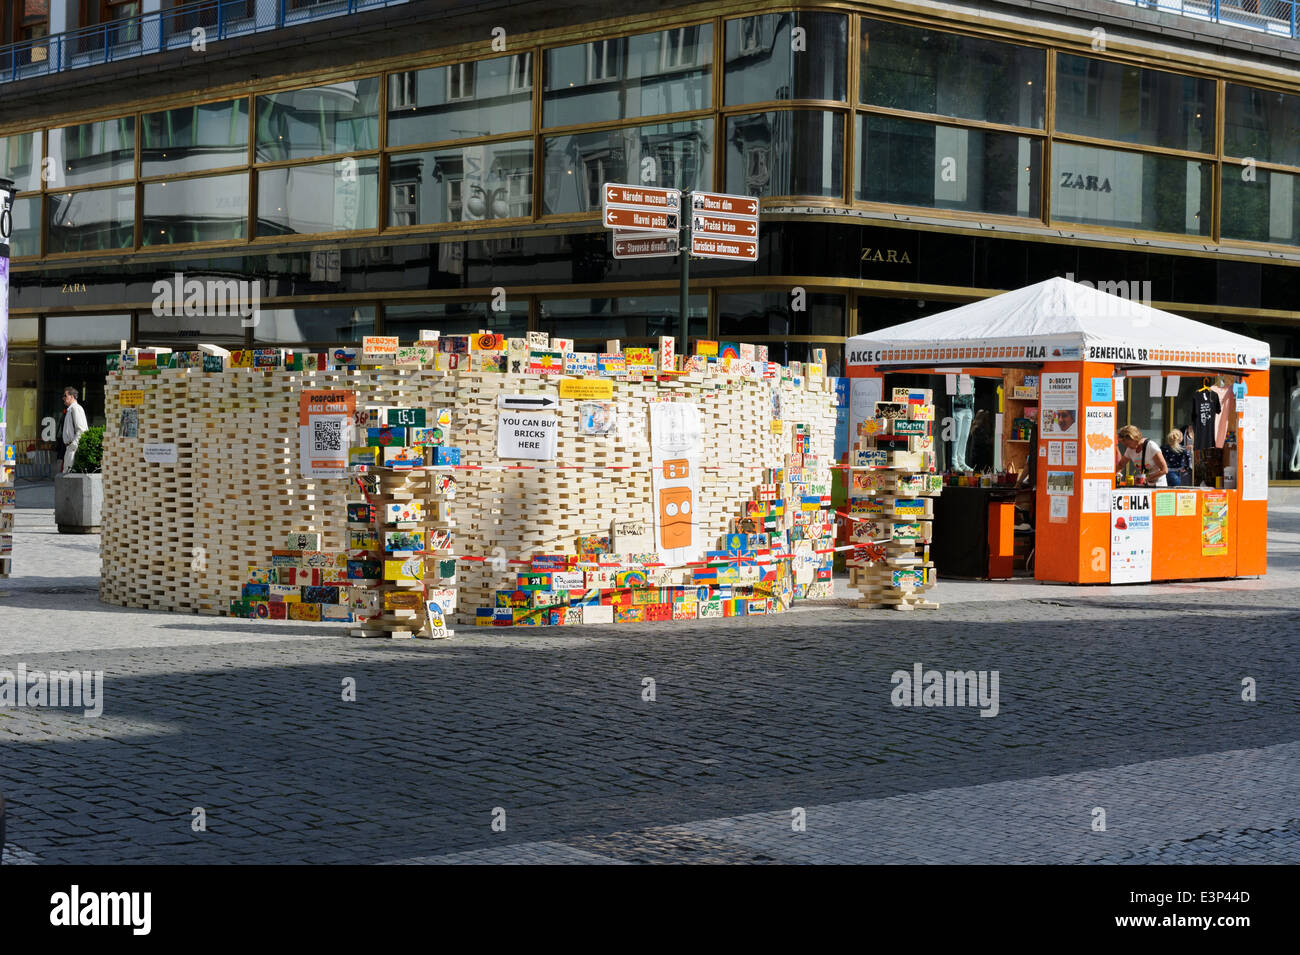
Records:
x=74, y=426
x=1143, y=453
x=1178, y=459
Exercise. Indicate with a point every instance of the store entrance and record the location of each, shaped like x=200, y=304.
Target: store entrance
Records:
x=82, y=370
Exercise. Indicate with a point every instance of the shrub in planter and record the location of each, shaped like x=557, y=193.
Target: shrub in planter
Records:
x=90, y=452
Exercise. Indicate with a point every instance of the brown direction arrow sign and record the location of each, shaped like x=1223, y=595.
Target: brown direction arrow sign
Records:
x=644, y=247
x=640, y=220
x=725, y=204
x=649, y=197
x=709, y=247
x=732, y=226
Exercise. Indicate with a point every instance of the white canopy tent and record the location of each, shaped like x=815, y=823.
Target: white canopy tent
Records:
x=1059, y=320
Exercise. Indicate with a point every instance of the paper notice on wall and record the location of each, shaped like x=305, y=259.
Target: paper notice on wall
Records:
x=1096, y=496
x=676, y=441
x=527, y=435
x=1060, y=405
x=1252, y=445
x=1059, y=511
x=1130, y=536
x=1060, y=482
x=325, y=432
x=1098, y=439
x=1054, y=453
x=1214, y=523
x=1070, y=453
x=863, y=395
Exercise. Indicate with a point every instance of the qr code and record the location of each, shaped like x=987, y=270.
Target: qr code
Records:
x=328, y=434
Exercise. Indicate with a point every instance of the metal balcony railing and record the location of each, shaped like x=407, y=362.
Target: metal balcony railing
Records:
x=1277, y=17
x=174, y=28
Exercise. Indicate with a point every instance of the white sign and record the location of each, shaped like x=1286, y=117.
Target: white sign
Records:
x=1096, y=495
x=1252, y=447
x=529, y=436
x=676, y=444
x=1098, y=439
x=160, y=453
x=863, y=395
x=527, y=402
x=1060, y=404
x=1130, y=536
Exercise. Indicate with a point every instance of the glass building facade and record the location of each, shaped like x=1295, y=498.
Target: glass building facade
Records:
x=905, y=167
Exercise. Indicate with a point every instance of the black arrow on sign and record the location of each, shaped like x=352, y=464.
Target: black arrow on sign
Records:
x=543, y=401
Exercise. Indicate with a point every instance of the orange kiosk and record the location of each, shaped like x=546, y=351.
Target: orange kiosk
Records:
x=1082, y=345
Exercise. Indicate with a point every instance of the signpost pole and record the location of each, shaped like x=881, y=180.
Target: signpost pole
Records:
x=684, y=305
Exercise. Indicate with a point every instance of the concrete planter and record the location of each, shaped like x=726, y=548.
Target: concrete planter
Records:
x=78, y=501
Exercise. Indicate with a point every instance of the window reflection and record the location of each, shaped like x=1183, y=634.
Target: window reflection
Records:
x=455, y=318
x=319, y=121
x=92, y=219
x=593, y=321
x=927, y=71
x=195, y=210
x=461, y=101
x=25, y=234
x=762, y=63
x=466, y=184
x=20, y=160
x=769, y=313
x=786, y=153
x=943, y=167
x=194, y=138
x=1130, y=190
x=93, y=152
x=672, y=154
x=337, y=323
x=321, y=197
x=1261, y=124
x=625, y=77
x=1132, y=105
x=1265, y=208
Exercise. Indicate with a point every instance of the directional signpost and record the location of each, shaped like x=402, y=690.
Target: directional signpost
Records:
x=724, y=227
x=653, y=222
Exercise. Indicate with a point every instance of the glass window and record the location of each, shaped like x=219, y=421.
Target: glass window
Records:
x=461, y=184
x=1263, y=209
x=87, y=329
x=760, y=314
x=21, y=411
x=93, y=152
x=25, y=228
x=326, y=324
x=461, y=101
x=672, y=154
x=594, y=321
x=766, y=60
x=91, y=219
x=195, y=210
x=1132, y=105
x=965, y=77
x=1261, y=124
x=456, y=318
x=23, y=331
x=913, y=163
x=786, y=153
x=322, y=197
x=194, y=138
x=1130, y=190
x=321, y=121
x=665, y=72
x=20, y=160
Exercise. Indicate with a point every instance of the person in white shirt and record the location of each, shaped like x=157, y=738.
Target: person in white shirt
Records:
x=1143, y=453
x=74, y=426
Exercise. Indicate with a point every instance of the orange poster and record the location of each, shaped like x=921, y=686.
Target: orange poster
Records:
x=325, y=432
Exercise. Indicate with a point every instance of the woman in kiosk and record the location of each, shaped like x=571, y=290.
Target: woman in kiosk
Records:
x=1145, y=454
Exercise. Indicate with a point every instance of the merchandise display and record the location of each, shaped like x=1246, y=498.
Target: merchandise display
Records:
x=891, y=490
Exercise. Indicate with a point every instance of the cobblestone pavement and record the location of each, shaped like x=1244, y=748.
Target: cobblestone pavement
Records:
x=1126, y=700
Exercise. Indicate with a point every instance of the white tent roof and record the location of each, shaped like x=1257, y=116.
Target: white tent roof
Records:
x=1059, y=320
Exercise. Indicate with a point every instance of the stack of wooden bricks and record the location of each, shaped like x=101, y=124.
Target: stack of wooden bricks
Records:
x=187, y=533
x=891, y=503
